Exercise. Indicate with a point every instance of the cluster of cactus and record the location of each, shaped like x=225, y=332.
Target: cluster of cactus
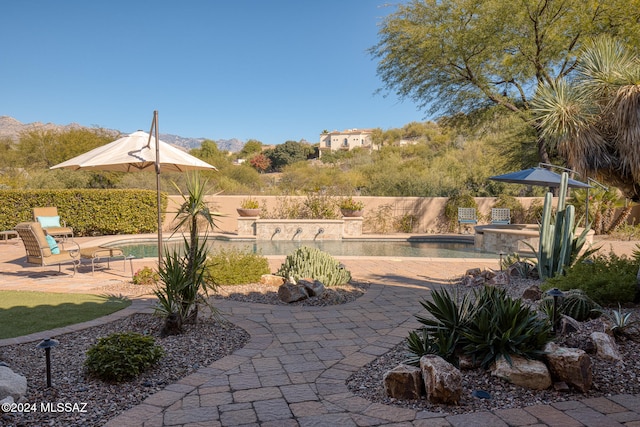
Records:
x=313, y=263
x=558, y=244
x=575, y=303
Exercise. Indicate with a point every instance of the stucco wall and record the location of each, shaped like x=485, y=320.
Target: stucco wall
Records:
x=379, y=212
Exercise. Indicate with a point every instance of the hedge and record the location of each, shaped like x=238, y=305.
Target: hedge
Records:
x=91, y=212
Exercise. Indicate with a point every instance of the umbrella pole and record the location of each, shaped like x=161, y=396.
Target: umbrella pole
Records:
x=154, y=126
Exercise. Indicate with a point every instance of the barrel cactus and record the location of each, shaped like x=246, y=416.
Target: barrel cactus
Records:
x=313, y=263
x=575, y=304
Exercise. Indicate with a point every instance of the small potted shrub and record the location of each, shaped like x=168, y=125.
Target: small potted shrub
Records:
x=350, y=208
x=249, y=207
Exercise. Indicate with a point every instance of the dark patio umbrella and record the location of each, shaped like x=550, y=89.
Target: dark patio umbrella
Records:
x=537, y=176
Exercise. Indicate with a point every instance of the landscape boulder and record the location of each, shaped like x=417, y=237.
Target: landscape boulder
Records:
x=12, y=384
x=291, y=292
x=569, y=365
x=315, y=288
x=271, y=280
x=568, y=325
x=606, y=347
x=532, y=293
x=404, y=382
x=500, y=278
x=442, y=380
x=532, y=374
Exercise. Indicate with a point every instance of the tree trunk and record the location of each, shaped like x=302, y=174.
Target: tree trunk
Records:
x=622, y=217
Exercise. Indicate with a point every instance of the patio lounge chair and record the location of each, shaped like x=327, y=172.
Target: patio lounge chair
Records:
x=466, y=216
x=50, y=221
x=500, y=216
x=40, y=250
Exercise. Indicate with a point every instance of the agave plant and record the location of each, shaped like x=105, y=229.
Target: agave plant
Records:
x=503, y=327
x=447, y=317
x=621, y=321
x=418, y=344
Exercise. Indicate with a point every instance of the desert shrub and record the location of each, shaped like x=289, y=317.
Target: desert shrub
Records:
x=606, y=279
x=407, y=223
x=145, y=276
x=122, y=356
x=379, y=220
x=451, y=209
x=236, y=266
x=485, y=325
x=533, y=214
x=313, y=263
x=313, y=206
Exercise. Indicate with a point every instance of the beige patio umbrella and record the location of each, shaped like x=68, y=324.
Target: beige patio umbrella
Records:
x=138, y=152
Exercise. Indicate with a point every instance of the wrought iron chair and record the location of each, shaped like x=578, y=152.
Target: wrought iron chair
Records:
x=466, y=216
x=500, y=216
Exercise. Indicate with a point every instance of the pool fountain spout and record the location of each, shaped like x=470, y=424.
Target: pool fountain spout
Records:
x=276, y=231
x=320, y=231
x=298, y=232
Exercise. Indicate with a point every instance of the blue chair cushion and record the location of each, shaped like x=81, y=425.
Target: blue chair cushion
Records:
x=53, y=245
x=49, y=221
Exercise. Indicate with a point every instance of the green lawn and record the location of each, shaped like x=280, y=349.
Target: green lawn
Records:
x=23, y=313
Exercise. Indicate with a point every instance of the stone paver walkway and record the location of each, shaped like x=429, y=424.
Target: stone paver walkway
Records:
x=292, y=372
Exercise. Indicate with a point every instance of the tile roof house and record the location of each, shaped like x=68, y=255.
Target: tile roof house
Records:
x=345, y=140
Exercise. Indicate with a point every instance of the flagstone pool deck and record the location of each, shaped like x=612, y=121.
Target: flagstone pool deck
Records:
x=292, y=372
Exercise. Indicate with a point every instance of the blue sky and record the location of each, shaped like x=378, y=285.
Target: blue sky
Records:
x=272, y=70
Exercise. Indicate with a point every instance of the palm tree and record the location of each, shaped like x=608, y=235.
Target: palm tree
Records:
x=594, y=119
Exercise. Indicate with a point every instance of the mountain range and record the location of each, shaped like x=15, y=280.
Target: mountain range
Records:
x=11, y=128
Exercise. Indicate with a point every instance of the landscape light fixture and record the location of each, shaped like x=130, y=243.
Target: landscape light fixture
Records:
x=48, y=344
x=501, y=253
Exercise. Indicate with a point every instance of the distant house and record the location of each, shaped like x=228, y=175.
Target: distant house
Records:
x=345, y=140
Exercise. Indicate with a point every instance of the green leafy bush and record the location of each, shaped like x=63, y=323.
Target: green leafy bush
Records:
x=313, y=263
x=122, y=356
x=607, y=279
x=235, y=266
x=145, y=276
x=485, y=325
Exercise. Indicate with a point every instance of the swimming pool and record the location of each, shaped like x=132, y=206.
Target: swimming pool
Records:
x=381, y=248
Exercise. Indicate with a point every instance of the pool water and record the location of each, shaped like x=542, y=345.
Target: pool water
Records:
x=334, y=247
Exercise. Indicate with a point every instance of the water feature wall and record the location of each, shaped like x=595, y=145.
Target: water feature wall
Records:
x=512, y=238
x=299, y=229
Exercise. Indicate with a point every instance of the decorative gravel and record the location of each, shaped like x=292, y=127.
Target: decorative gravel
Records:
x=200, y=345
x=609, y=378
